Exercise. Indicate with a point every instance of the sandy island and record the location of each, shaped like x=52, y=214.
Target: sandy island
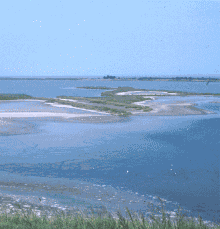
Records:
x=56, y=110
x=177, y=109
x=159, y=108
x=41, y=114
x=146, y=93
x=53, y=111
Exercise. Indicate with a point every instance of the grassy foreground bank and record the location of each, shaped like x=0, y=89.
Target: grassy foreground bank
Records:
x=23, y=221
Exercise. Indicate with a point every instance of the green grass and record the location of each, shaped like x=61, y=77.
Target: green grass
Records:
x=124, y=102
x=84, y=221
x=14, y=96
x=120, y=112
x=109, y=101
x=125, y=89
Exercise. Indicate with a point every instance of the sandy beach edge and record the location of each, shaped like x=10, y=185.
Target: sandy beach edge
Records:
x=160, y=109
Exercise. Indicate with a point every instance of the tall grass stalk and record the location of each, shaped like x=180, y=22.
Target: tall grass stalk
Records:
x=83, y=221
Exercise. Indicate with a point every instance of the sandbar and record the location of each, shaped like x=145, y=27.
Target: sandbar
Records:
x=69, y=106
x=145, y=93
x=173, y=109
x=42, y=115
x=159, y=105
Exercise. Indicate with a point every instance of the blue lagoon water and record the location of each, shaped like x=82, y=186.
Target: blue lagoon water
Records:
x=133, y=160
x=53, y=88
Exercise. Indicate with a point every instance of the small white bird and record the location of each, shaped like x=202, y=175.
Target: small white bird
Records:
x=127, y=171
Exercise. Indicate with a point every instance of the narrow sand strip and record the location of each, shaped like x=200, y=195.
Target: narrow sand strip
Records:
x=143, y=103
x=23, y=100
x=42, y=115
x=160, y=106
x=145, y=93
x=179, y=108
x=150, y=97
x=58, y=105
x=69, y=106
x=71, y=100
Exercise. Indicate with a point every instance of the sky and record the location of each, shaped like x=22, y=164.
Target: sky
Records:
x=93, y=38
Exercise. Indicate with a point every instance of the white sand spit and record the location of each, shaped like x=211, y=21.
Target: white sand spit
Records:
x=71, y=100
x=145, y=103
x=59, y=105
x=145, y=93
x=23, y=100
x=69, y=106
x=150, y=97
x=42, y=115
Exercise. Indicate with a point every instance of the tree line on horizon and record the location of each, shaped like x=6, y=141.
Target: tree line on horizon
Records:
x=173, y=78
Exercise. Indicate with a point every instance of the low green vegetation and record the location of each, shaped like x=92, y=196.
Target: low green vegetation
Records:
x=109, y=102
x=126, y=89
x=109, y=77
x=186, y=79
x=179, y=79
x=102, y=221
x=119, y=112
x=113, y=103
x=120, y=89
x=14, y=96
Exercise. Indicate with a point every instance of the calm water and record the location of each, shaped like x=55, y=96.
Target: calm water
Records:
x=136, y=159
x=55, y=88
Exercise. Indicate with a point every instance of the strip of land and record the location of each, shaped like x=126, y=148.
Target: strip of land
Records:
x=131, y=101
x=41, y=115
x=205, y=79
x=121, y=101
x=146, y=93
x=178, y=109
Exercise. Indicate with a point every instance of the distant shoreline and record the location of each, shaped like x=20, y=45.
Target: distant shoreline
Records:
x=176, y=79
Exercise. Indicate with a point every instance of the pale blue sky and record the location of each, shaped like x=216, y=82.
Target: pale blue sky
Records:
x=58, y=38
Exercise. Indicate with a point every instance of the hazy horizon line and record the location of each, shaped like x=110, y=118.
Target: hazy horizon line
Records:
x=98, y=76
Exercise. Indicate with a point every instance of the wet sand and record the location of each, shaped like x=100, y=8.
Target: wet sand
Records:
x=178, y=109
x=103, y=200
x=42, y=115
x=16, y=120
x=44, y=111
x=55, y=110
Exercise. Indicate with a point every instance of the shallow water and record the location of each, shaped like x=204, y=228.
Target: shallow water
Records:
x=192, y=99
x=38, y=106
x=116, y=164
x=169, y=163
x=53, y=88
